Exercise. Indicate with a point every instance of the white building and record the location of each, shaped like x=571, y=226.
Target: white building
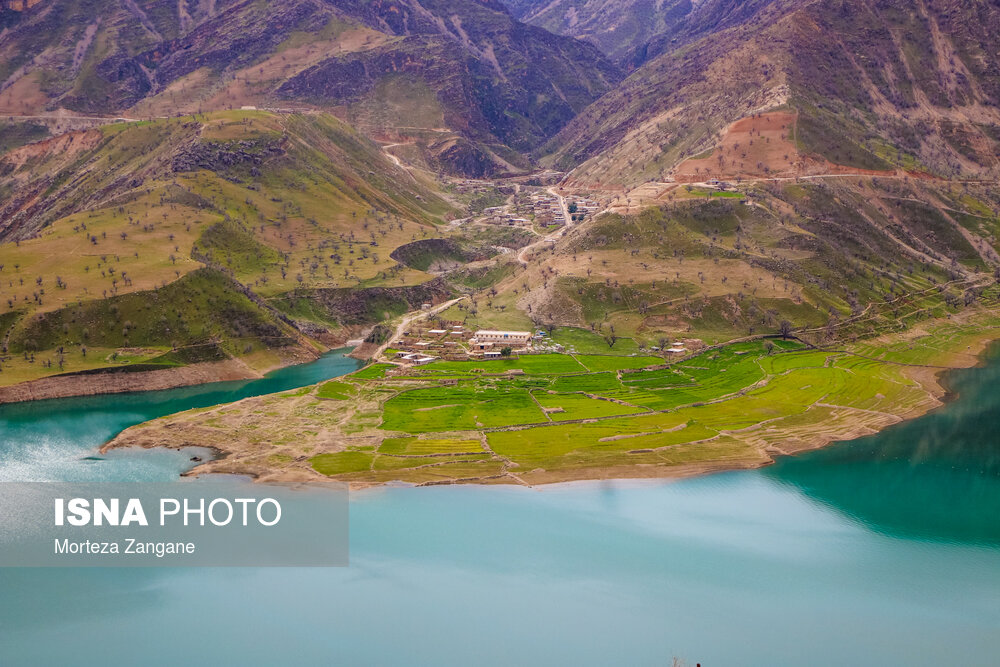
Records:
x=418, y=359
x=487, y=338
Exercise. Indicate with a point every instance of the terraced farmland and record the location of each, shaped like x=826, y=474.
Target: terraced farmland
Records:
x=551, y=417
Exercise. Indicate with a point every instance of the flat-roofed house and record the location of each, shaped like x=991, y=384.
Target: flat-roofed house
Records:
x=487, y=338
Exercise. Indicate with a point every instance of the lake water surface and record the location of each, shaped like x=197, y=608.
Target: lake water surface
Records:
x=884, y=550
x=55, y=440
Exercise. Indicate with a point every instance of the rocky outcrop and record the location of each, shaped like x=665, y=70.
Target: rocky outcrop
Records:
x=221, y=156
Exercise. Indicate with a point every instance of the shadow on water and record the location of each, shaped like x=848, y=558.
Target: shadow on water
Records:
x=167, y=401
x=935, y=478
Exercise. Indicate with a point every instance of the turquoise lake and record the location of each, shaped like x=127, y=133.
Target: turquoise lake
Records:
x=880, y=551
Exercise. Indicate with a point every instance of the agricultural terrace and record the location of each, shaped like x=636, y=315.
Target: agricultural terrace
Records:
x=557, y=417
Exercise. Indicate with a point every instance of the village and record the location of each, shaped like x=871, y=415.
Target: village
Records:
x=427, y=341
x=531, y=205
x=542, y=209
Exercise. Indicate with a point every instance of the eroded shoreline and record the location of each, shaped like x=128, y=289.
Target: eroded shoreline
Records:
x=121, y=380
x=94, y=384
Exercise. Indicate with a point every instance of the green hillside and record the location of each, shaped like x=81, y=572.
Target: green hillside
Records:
x=116, y=219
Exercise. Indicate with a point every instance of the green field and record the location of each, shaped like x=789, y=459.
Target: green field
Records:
x=463, y=408
x=588, y=342
x=425, y=446
x=669, y=416
x=597, y=362
x=702, y=408
x=336, y=390
x=589, y=382
x=577, y=406
x=373, y=372
x=731, y=406
x=541, y=364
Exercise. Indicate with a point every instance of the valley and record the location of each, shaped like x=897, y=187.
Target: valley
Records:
x=232, y=189
x=646, y=332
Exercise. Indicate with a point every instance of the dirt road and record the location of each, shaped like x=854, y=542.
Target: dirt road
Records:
x=412, y=317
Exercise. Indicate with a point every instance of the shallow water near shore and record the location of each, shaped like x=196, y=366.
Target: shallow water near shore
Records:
x=883, y=550
x=56, y=440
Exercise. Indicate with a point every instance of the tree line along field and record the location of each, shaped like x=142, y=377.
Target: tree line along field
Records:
x=554, y=419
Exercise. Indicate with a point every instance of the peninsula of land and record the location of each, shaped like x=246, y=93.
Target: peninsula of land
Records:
x=579, y=415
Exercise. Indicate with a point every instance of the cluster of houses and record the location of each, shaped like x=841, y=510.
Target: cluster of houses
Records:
x=547, y=209
x=473, y=186
x=500, y=215
x=427, y=342
x=423, y=344
x=583, y=207
x=722, y=185
x=492, y=343
x=543, y=208
x=549, y=212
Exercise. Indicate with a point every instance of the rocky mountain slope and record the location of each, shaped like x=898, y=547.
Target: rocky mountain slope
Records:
x=859, y=140
x=620, y=28
x=839, y=256
x=634, y=31
x=464, y=81
x=883, y=85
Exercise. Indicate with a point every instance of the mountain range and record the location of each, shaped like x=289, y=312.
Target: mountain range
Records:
x=883, y=85
x=471, y=86
x=324, y=166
